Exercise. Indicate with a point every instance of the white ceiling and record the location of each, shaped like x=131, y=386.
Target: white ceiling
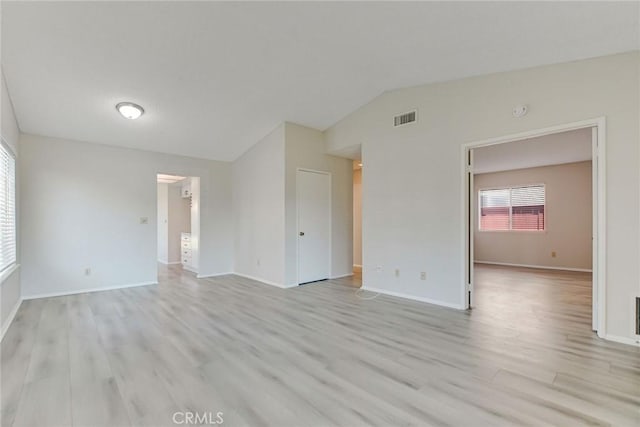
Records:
x=215, y=77
x=555, y=149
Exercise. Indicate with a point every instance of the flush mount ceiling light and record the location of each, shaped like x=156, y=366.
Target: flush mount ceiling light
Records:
x=129, y=110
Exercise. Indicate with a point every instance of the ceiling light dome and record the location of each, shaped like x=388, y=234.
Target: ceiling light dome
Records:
x=129, y=110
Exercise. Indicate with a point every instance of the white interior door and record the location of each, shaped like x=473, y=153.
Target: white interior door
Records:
x=314, y=225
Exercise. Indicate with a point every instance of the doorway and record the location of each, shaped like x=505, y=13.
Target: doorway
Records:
x=357, y=219
x=178, y=223
x=313, y=195
x=472, y=210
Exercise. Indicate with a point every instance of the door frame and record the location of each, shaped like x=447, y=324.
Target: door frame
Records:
x=298, y=221
x=198, y=224
x=599, y=209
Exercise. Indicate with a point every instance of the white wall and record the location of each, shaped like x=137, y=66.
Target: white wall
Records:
x=567, y=215
x=10, y=131
x=81, y=208
x=264, y=204
x=10, y=291
x=258, y=210
x=179, y=222
x=413, y=212
x=305, y=149
x=163, y=223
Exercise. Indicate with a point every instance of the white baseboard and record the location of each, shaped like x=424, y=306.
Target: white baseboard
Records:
x=342, y=275
x=623, y=340
x=204, y=276
x=414, y=298
x=169, y=262
x=258, y=279
x=9, y=321
x=541, y=267
x=84, y=291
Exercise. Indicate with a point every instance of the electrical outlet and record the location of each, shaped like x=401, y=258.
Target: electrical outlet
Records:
x=423, y=275
x=553, y=254
x=87, y=271
x=379, y=269
x=397, y=272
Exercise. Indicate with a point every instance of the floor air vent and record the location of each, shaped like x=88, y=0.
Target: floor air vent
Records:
x=405, y=119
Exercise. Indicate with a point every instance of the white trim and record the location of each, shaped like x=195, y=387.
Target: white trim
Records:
x=9, y=321
x=623, y=340
x=414, y=298
x=541, y=267
x=598, y=168
x=205, y=276
x=598, y=121
x=84, y=291
x=594, y=224
x=341, y=276
x=600, y=211
x=8, y=272
x=266, y=282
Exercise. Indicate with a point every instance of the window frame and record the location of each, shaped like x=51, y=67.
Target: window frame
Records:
x=511, y=187
x=11, y=267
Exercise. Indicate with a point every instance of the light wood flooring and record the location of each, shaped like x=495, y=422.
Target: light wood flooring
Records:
x=318, y=355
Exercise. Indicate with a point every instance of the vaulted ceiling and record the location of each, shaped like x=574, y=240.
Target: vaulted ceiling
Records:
x=216, y=77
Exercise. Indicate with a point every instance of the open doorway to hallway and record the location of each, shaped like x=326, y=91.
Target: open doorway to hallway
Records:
x=178, y=223
x=357, y=219
x=532, y=211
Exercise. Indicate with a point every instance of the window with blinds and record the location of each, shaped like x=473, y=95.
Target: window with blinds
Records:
x=7, y=208
x=514, y=208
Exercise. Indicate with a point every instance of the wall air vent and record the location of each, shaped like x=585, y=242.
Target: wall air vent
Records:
x=405, y=119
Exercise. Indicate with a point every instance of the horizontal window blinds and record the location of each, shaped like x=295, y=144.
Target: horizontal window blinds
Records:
x=527, y=208
x=494, y=209
x=7, y=208
x=516, y=208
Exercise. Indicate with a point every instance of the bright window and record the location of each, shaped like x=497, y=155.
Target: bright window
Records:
x=7, y=208
x=512, y=208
